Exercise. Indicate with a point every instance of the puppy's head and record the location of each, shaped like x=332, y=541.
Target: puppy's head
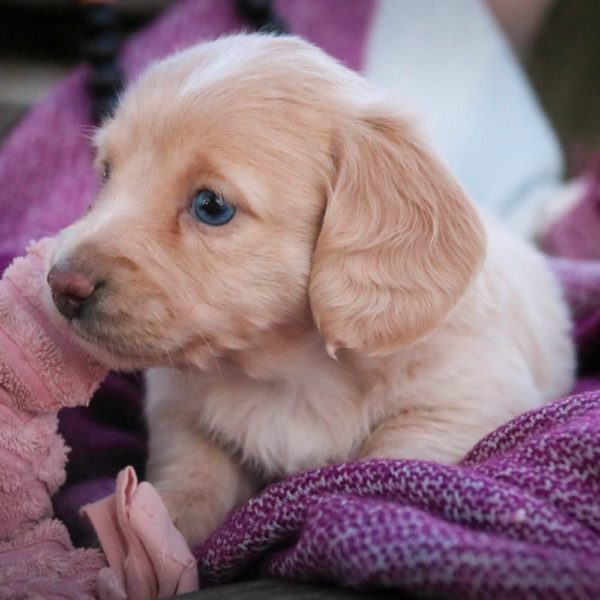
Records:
x=253, y=187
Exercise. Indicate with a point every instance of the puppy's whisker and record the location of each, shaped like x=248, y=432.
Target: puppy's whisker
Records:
x=88, y=132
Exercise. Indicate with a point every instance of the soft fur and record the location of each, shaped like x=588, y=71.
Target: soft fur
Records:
x=350, y=309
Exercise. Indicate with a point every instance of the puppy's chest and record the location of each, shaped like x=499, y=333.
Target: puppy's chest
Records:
x=286, y=427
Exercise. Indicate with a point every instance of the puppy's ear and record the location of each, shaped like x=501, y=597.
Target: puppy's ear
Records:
x=400, y=241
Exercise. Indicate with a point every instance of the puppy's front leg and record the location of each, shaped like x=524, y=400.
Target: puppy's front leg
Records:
x=442, y=436
x=199, y=482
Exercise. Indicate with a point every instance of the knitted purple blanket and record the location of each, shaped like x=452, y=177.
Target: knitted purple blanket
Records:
x=519, y=518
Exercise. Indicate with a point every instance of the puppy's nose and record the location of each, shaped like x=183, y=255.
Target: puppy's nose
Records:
x=71, y=289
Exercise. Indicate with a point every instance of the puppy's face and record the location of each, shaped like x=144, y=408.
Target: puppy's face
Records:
x=202, y=234
x=242, y=197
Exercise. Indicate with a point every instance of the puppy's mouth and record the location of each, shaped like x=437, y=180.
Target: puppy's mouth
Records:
x=126, y=331
x=118, y=343
x=121, y=317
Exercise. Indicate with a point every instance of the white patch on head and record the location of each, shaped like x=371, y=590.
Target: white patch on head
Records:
x=224, y=64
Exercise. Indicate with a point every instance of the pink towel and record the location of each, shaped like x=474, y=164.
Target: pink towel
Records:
x=42, y=369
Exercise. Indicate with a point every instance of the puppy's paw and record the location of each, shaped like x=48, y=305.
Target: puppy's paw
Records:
x=190, y=512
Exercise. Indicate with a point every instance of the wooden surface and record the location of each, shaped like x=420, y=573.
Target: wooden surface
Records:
x=273, y=589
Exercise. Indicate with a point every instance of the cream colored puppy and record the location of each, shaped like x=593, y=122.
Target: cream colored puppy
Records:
x=308, y=283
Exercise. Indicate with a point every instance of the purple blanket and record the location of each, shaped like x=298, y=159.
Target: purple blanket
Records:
x=519, y=518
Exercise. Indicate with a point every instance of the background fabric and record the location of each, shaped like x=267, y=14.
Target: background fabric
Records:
x=450, y=65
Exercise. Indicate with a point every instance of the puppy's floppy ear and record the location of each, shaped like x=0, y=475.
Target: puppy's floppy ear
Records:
x=400, y=241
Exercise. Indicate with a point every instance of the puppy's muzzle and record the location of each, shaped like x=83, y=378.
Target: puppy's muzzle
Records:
x=72, y=289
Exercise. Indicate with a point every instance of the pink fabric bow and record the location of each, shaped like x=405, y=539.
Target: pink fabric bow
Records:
x=147, y=556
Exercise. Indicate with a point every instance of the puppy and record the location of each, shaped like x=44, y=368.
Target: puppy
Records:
x=302, y=278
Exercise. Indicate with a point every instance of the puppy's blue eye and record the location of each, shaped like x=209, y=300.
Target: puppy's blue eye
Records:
x=212, y=209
